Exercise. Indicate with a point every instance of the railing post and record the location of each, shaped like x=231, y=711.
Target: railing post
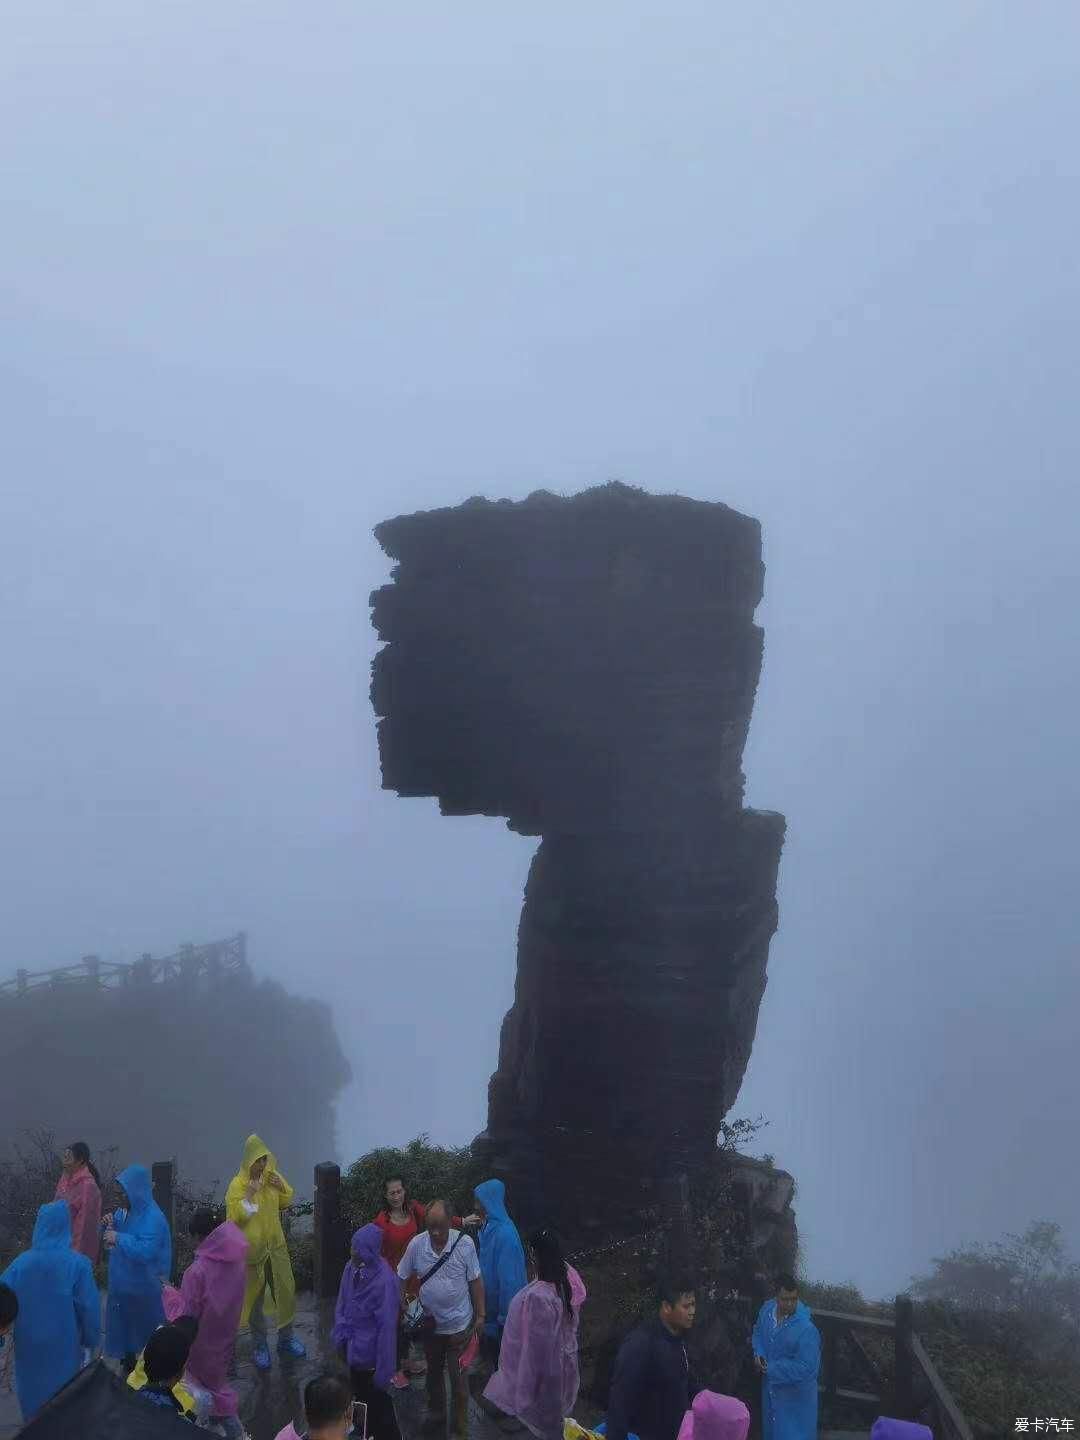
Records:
x=163, y=1175
x=832, y=1339
x=329, y=1238
x=904, y=1399
x=22, y=981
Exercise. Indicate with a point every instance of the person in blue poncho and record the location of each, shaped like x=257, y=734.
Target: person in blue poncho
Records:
x=787, y=1354
x=140, y=1259
x=502, y=1261
x=59, y=1309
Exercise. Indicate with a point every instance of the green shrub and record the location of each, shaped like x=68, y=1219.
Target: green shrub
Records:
x=302, y=1255
x=846, y=1298
x=429, y=1171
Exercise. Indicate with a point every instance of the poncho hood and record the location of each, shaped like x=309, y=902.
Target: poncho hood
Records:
x=367, y=1245
x=225, y=1245
x=52, y=1228
x=255, y=1149
x=885, y=1428
x=719, y=1417
x=137, y=1187
x=492, y=1195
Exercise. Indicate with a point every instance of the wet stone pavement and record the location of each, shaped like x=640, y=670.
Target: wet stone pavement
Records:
x=269, y=1402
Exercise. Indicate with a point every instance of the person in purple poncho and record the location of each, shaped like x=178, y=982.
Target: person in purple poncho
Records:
x=366, y=1327
x=885, y=1428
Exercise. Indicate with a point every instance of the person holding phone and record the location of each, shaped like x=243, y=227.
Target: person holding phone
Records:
x=257, y=1195
x=329, y=1412
x=140, y=1261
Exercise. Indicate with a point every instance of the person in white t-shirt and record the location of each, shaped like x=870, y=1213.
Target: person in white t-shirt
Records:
x=453, y=1295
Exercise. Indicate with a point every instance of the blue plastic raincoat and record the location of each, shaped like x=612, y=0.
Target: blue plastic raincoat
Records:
x=59, y=1309
x=789, y=1387
x=502, y=1256
x=139, y=1266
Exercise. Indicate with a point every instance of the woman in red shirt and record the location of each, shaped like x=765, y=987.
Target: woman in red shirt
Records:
x=400, y=1219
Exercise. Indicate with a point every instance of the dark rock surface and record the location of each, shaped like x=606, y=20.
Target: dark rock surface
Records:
x=586, y=668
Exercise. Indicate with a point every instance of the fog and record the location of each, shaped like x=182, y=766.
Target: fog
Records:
x=274, y=273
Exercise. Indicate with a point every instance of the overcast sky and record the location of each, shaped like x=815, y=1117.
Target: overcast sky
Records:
x=270, y=273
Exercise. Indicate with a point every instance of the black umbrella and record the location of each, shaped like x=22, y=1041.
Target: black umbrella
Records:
x=97, y=1405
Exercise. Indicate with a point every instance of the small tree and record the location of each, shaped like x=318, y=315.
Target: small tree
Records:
x=1028, y=1276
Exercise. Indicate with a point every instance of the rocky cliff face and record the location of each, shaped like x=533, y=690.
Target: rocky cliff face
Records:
x=586, y=668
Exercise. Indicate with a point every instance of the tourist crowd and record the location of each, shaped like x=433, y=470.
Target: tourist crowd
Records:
x=416, y=1280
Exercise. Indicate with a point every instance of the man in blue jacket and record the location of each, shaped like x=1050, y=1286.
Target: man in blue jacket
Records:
x=502, y=1261
x=787, y=1353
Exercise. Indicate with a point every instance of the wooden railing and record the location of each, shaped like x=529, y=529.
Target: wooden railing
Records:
x=189, y=962
x=917, y=1391
x=937, y=1409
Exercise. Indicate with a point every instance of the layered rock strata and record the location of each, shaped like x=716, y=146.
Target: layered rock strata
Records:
x=586, y=668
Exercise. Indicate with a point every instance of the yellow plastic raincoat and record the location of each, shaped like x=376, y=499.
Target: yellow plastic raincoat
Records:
x=263, y=1232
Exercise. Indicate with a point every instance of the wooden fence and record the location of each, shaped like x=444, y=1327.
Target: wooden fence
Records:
x=190, y=962
x=917, y=1392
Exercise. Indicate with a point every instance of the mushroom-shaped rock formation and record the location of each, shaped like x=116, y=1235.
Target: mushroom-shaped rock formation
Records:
x=586, y=667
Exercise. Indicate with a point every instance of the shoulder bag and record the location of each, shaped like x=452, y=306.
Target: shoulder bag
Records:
x=416, y=1321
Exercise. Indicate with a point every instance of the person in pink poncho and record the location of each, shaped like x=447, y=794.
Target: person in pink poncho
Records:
x=213, y=1290
x=715, y=1417
x=537, y=1378
x=80, y=1186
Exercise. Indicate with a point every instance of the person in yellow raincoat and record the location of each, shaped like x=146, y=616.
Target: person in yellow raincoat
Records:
x=255, y=1199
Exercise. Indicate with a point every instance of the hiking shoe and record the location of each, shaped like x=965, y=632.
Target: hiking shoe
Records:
x=292, y=1346
x=400, y=1381
x=261, y=1357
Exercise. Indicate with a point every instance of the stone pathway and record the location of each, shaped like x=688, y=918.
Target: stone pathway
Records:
x=269, y=1402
